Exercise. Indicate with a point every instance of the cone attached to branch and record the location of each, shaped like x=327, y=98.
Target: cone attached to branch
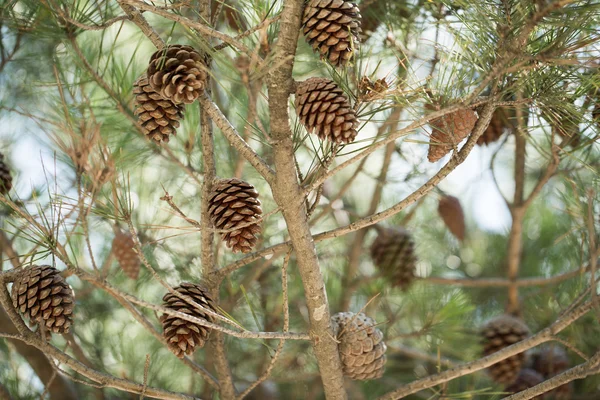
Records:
x=324, y=109
x=526, y=379
x=184, y=337
x=158, y=117
x=5, y=176
x=123, y=249
x=451, y=212
x=499, y=124
x=177, y=73
x=41, y=294
x=447, y=131
x=393, y=252
x=361, y=345
x=497, y=334
x=552, y=360
x=332, y=28
x=234, y=207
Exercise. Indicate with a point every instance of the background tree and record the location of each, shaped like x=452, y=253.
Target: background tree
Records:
x=432, y=165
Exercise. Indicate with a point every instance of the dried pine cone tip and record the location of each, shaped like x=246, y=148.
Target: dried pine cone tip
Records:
x=452, y=214
x=324, y=109
x=361, y=346
x=501, y=332
x=332, y=28
x=234, y=207
x=184, y=337
x=41, y=294
x=5, y=176
x=123, y=249
x=393, y=252
x=448, y=131
x=178, y=73
x=526, y=379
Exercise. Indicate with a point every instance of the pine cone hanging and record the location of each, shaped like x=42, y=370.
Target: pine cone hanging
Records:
x=497, y=334
x=332, y=27
x=393, y=252
x=158, y=117
x=361, y=346
x=5, y=177
x=324, y=109
x=552, y=360
x=499, y=124
x=123, y=249
x=451, y=212
x=41, y=294
x=526, y=379
x=448, y=131
x=178, y=73
x=183, y=337
x=234, y=206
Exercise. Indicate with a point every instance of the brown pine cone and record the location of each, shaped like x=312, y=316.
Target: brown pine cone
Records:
x=5, y=176
x=552, y=360
x=447, y=131
x=324, y=109
x=184, y=337
x=177, y=73
x=393, y=252
x=497, y=334
x=361, y=345
x=526, y=379
x=123, y=249
x=451, y=212
x=499, y=124
x=332, y=27
x=234, y=206
x=158, y=117
x=41, y=294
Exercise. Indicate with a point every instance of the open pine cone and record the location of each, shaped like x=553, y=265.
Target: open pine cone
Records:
x=497, y=334
x=361, y=345
x=123, y=249
x=158, y=117
x=448, y=131
x=178, y=73
x=234, y=207
x=393, y=252
x=451, y=212
x=332, y=27
x=5, y=177
x=526, y=379
x=184, y=337
x=324, y=109
x=41, y=294
x=552, y=360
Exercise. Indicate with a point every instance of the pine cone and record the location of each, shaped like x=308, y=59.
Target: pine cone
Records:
x=447, y=131
x=324, y=109
x=499, y=333
x=5, y=177
x=178, y=73
x=526, y=379
x=42, y=295
x=451, y=212
x=332, y=27
x=183, y=337
x=393, y=252
x=123, y=249
x=361, y=346
x=159, y=117
x=499, y=124
x=234, y=206
x=550, y=361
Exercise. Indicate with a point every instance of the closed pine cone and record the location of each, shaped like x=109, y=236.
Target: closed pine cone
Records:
x=41, y=294
x=451, y=212
x=497, y=334
x=361, y=346
x=552, y=360
x=526, y=379
x=178, y=73
x=184, y=337
x=5, y=177
x=447, y=131
x=324, y=109
x=158, y=117
x=393, y=252
x=332, y=27
x=234, y=206
x=498, y=125
x=123, y=249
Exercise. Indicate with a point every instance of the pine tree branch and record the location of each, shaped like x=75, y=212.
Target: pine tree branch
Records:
x=141, y=22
